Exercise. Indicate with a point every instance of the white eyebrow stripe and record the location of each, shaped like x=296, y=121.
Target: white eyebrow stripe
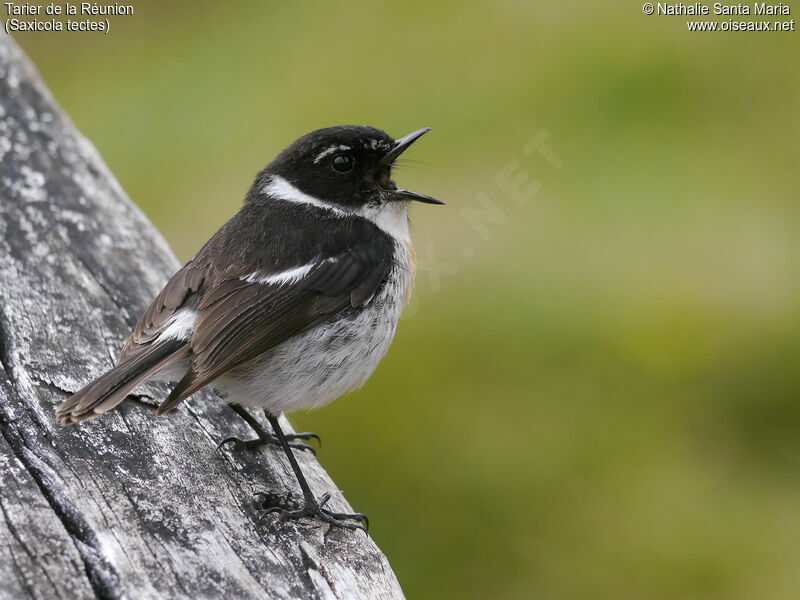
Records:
x=278, y=187
x=289, y=276
x=327, y=151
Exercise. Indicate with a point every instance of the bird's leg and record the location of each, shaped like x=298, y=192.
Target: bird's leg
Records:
x=264, y=437
x=312, y=507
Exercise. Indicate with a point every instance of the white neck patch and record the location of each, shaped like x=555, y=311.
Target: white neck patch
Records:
x=280, y=188
x=391, y=217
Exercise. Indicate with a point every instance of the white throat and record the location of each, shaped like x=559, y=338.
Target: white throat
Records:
x=391, y=217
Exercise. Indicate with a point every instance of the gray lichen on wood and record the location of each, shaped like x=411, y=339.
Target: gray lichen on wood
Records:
x=127, y=505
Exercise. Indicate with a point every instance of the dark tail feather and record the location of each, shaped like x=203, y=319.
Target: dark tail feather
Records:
x=183, y=389
x=111, y=388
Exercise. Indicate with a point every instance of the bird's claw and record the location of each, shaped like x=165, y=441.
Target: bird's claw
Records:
x=258, y=442
x=317, y=510
x=304, y=435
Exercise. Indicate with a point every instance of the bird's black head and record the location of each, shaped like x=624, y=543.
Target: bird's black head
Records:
x=348, y=166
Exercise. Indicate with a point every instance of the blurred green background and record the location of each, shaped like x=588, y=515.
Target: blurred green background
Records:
x=594, y=395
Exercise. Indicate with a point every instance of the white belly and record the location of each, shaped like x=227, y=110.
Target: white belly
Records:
x=316, y=367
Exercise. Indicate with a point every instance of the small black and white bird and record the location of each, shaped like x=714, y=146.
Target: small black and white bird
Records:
x=292, y=303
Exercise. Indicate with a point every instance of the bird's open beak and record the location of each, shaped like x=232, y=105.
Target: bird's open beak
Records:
x=398, y=148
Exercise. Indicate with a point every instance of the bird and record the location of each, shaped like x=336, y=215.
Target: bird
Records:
x=291, y=304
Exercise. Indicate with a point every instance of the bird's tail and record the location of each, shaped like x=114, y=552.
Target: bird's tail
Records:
x=112, y=387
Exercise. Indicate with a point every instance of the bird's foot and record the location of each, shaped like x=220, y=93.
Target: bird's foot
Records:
x=265, y=439
x=316, y=510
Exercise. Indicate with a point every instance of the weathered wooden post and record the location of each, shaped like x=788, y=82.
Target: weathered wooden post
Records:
x=128, y=505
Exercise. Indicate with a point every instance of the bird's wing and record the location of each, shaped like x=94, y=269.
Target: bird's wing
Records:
x=164, y=307
x=240, y=318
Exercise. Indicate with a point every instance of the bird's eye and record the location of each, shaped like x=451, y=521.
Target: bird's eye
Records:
x=342, y=163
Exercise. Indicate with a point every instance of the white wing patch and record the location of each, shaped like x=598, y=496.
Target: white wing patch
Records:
x=284, y=277
x=180, y=326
